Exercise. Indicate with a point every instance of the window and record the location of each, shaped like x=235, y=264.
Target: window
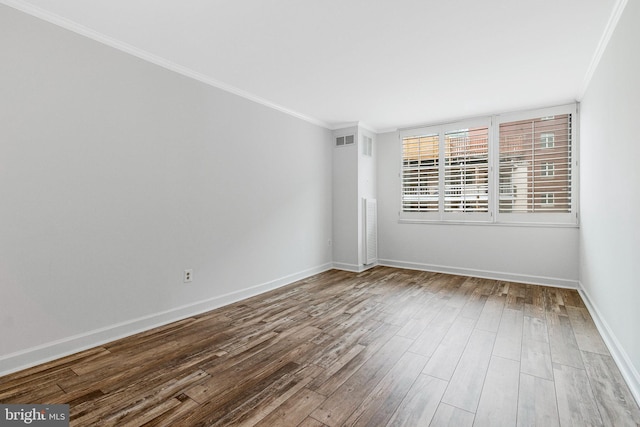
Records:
x=513, y=168
x=547, y=140
x=466, y=175
x=536, y=178
x=420, y=171
x=547, y=169
x=445, y=172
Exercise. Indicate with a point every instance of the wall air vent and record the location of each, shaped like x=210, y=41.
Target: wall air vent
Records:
x=341, y=141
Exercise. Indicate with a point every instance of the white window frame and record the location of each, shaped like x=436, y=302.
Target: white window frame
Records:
x=442, y=215
x=547, y=140
x=548, y=170
x=493, y=216
x=548, y=198
x=542, y=218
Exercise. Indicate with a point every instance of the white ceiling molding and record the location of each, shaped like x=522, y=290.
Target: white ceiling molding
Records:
x=154, y=59
x=323, y=63
x=602, y=45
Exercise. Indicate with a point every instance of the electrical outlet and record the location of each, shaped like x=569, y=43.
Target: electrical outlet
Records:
x=187, y=276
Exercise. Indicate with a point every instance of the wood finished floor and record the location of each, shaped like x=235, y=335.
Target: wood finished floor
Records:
x=386, y=347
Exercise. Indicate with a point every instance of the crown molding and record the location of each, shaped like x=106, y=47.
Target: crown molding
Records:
x=361, y=125
x=152, y=58
x=602, y=46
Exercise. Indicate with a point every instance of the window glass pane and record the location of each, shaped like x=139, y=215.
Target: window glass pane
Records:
x=535, y=165
x=420, y=164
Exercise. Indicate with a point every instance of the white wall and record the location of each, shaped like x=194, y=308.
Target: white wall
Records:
x=116, y=175
x=544, y=255
x=354, y=178
x=610, y=194
x=366, y=186
x=345, y=202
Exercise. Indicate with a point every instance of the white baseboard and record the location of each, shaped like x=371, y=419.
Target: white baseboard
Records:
x=484, y=274
x=354, y=268
x=53, y=350
x=620, y=356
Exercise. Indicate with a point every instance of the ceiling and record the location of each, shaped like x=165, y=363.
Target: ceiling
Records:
x=384, y=63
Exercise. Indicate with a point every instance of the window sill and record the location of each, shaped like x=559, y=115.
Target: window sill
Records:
x=490, y=223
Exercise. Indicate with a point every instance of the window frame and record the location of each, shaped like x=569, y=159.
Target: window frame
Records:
x=442, y=215
x=542, y=218
x=548, y=170
x=494, y=216
x=547, y=139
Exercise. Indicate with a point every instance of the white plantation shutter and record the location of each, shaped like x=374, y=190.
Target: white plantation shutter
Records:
x=445, y=172
x=466, y=175
x=420, y=164
x=535, y=165
x=517, y=168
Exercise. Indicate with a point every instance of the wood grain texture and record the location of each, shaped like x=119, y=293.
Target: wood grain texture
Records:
x=610, y=391
x=466, y=383
x=537, y=402
x=386, y=347
x=450, y=416
x=499, y=401
x=576, y=403
x=509, y=337
x=420, y=404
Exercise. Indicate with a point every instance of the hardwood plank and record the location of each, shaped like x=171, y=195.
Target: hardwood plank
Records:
x=118, y=407
x=498, y=404
x=339, y=406
x=466, y=383
x=330, y=371
x=462, y=295
x=234, y=406
x=333, y=349
x=576, y=403
x=450, y=416
x=509, y=337
x=491, y=314
x=174, y=416
x=311, y=422
x=586, y=333
x=615, y=401
x=415, y=326
x=267, y=400
x=516, y=295
x=46, y=393
x=374, y=342
x=444, y=360
x=430, y=338
x=572, y=298
x=378, y=407
x=154, y=412
x=554, y=301
x=536, y=359
x=537, y=402
x=562, y=341
x=50, y=371
x=477, y=299
x=420, y=404
x=536, y=353
x=534, y=302
x=294, y=410
x=535, y=329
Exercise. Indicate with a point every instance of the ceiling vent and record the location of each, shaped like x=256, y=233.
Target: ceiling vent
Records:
x=341, y=141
